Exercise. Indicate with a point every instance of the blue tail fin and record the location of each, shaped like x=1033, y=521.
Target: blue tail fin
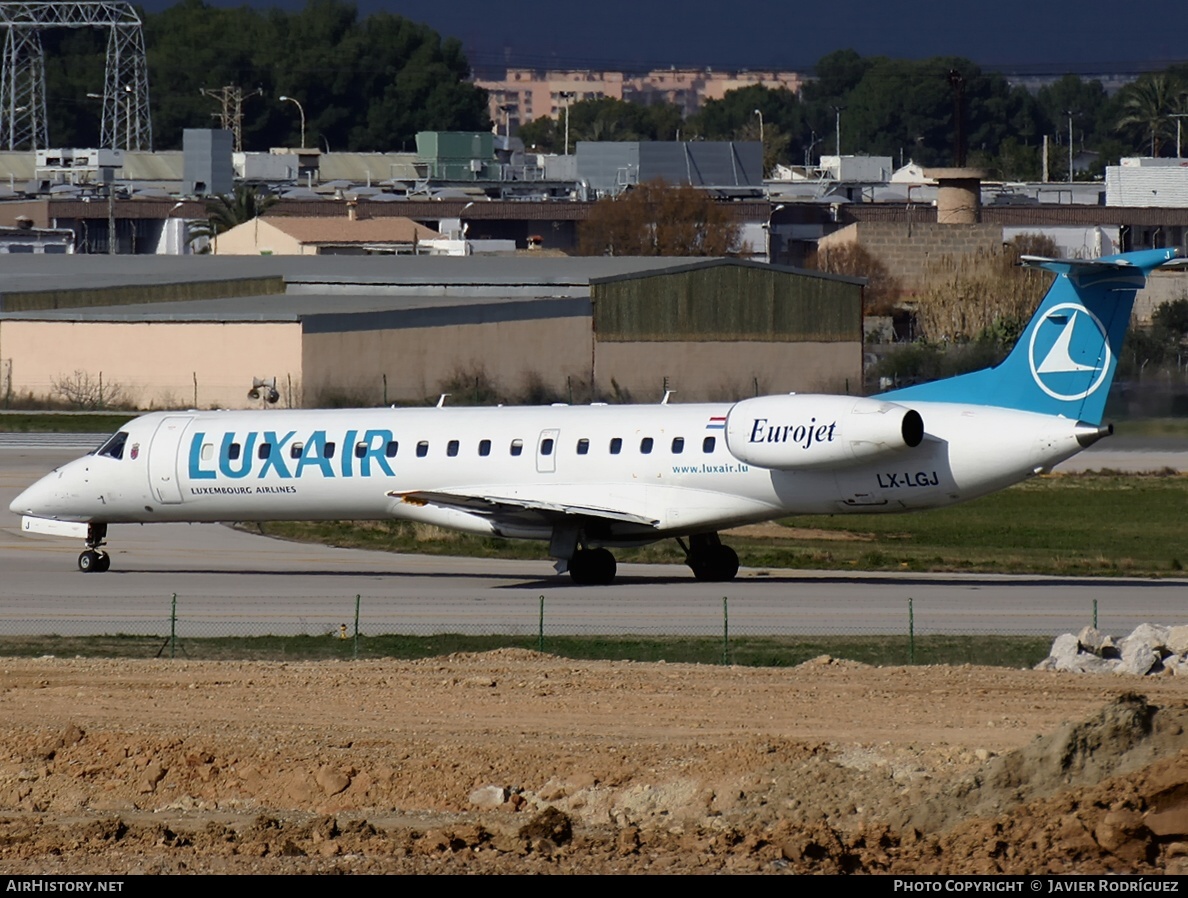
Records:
x=1064, y=362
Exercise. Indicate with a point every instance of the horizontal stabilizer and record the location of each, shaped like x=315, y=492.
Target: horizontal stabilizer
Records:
x=496, y=506
x=1145, y=261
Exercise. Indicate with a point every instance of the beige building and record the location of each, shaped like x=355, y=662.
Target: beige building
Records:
x=524, y=95
x=202, y=332
x=321, y=235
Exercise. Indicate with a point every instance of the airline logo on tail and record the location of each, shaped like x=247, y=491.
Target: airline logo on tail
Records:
x=1067, y=347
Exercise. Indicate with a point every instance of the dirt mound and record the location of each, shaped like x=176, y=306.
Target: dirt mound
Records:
x=515, y=762
x=1128, y=733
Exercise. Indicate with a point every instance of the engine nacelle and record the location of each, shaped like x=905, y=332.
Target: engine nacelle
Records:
x=814, y=431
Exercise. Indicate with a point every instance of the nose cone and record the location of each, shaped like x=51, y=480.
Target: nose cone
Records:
x=38, y=500
x=60, y=495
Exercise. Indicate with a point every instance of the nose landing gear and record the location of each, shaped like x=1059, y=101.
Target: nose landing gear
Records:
x=93, y=559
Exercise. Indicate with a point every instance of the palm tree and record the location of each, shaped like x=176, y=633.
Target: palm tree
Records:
x=225, y=212
x=1147, y=103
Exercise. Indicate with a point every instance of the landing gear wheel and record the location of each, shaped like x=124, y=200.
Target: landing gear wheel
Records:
x=715, y=564
x=592, y=567
x=92, y=562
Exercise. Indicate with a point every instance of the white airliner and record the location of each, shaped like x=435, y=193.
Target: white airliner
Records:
x=593, y=477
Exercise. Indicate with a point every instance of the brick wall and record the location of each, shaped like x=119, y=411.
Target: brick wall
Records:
x=908, y=248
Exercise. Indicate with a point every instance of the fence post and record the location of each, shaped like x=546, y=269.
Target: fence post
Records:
x=540, y=627
x=357, y=599
x=911, y=631
x=173, y=627
x=1095, y=614
x=725, y=631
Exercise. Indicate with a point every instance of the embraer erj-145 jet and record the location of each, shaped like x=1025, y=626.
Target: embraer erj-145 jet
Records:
x=587, y=479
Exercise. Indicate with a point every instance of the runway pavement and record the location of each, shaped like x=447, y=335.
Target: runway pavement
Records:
x=229, y=582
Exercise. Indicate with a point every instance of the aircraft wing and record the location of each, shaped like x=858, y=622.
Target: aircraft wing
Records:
x=501, y=506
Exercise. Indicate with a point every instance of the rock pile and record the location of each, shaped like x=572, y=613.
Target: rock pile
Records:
x=1150, y=649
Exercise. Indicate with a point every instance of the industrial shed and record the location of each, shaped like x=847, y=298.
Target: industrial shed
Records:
x=202, y=331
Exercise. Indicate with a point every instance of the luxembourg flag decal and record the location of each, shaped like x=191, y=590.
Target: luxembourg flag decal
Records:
x=717, y=422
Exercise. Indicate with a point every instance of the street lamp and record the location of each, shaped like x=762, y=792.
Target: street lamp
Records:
x=567, y=95
x=759, y=112
x=1070, y=113
x=808, y=151
x=767, y=227
x=128, y=118
x=1178, y=116
x=115, y=106
x=300, y=109
x=837, y=111
x=506, y=109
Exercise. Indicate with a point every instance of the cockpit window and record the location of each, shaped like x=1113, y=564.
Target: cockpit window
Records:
x=114, y=447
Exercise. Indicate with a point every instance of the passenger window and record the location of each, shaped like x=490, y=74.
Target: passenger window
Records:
x=678, y=445
x=546, y=446
x=264, y=450
x=295, y=450
x=114, y=446
x=452, y=448
x=484, y=447
x=360, y=450
x=422, y=449
x=207, y=451
x=329, y=450
x=233, y=451
x=583, y=447
x=645, y=445
x=517, y=447
x=391, y=448
x=707, y=445
x=616, y=446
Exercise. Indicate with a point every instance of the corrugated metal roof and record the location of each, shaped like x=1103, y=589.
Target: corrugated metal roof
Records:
x=1022, y=215
x=20, y=165
x=322, y=313
x=32, y=272
x=364, y=168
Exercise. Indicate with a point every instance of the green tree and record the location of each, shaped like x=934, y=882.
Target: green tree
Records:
x=1147, y=105
x=365, y=84
x=192, y=46
x=1172, y=316
x=736, y=117
x=603, y=119
x=74, y=67
x=906, y=108
x=545, y=135
x=1093, y=118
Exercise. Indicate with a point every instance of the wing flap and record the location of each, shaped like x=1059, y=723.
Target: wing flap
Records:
x=497, y=506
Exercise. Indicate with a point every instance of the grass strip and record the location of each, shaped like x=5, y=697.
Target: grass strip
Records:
x=57, y=422
x=747, y=651
x=1102, y=524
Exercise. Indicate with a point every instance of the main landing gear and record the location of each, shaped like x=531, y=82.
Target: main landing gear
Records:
x=93, y=559
x=592, y=567
x=709, y=559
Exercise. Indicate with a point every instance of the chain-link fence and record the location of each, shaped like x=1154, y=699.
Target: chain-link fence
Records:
x=718, y=630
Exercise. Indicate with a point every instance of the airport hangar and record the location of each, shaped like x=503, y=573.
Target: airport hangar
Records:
x=202, y=331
